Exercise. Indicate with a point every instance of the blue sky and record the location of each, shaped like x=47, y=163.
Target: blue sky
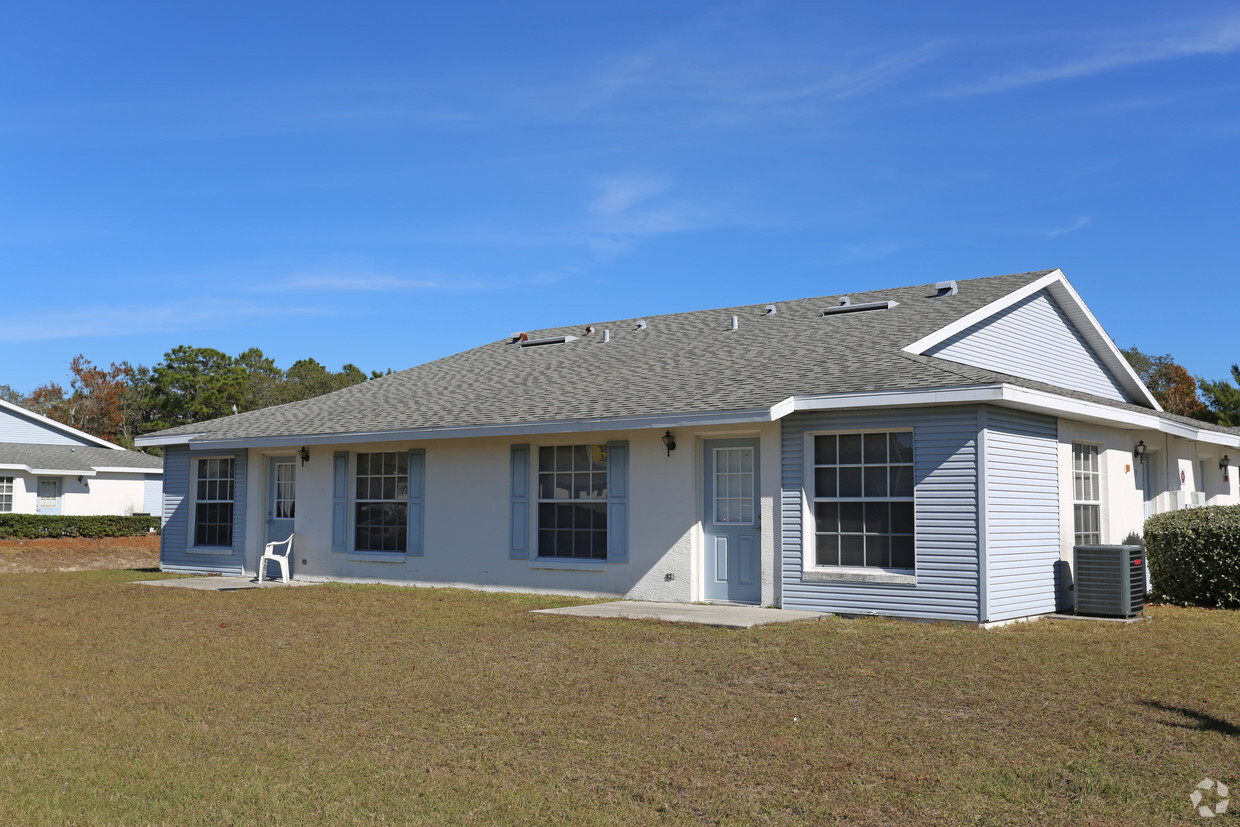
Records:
x=385, y=184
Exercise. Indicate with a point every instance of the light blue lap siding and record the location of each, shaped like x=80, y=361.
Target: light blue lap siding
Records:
x=175, y=544
x=1033, y=339
x=946, y=513
x=1021, y=473
x=15, y=427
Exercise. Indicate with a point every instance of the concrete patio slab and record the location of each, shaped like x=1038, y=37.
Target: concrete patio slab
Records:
x=222, y=583
x=735, y=617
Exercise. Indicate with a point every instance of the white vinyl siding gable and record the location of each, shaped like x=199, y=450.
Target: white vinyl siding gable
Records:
x=17, y=428
x=1035, y=340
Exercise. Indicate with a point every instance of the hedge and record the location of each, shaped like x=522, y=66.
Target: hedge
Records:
x=1194, y=556
x=35, y=526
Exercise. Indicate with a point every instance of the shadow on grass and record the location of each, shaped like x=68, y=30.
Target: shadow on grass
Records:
x=1202, y=721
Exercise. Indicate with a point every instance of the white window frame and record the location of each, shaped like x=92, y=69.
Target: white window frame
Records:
x=195, y=503
x=6, y=495
x=1079, y=537
x=540, y=501
x=891, y=574
x=355, y=501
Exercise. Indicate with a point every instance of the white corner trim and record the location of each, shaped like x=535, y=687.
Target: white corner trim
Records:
x=59, y=426
x=1056, y=283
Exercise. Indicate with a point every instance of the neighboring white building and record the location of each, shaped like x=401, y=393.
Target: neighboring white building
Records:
x=932, y=451
x=50, y=468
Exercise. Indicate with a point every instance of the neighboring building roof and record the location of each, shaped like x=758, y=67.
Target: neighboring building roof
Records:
x=81, y=436
x=682, y=364
x=70, y=459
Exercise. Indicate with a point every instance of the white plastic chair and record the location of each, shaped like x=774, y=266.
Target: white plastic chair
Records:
x=283, y=558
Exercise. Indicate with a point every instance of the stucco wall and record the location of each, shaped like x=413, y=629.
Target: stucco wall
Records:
x=101, y=494
x=467, y=502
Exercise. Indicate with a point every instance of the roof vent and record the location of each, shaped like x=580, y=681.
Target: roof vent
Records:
x=858, y=308
x=946, y=288
x=606, y=335
x=845, y=301
x=520, y=337
x=735, y=322
x=550, y=340
x=641, y=324
x=770, y=310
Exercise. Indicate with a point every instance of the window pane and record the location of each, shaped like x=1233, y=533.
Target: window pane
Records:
x=563, y=486
x=852, y=550
x=581, y=457
x=546, y=458
x=746, y=460
x=827, y=549
x=546, y=515
x=852, y=517
x=827, y=517
x=850, y=482
x=824, y=449
x=598, y=484
x=876, y=518
x=824, y=482
x=850, y=449
x=901, y=518
x=876, y=481
x=875, y=449
x=877, y=550
x=901, y=480
x=564, y=458
x=902, y=551
x=546, y=486
x=901, y=445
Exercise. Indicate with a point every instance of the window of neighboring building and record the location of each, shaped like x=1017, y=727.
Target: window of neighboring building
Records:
x=381, y=509
x=863, y=500
x=213, y=502
x=6, y=494
x=1086, y=494
x=572, y=501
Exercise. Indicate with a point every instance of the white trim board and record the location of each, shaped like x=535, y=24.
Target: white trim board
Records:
x=1055, y=283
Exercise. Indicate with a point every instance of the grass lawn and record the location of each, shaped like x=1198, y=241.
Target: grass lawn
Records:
x=351, y=704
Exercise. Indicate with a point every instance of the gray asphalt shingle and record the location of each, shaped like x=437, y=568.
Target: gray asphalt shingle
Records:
x=75, y=458
x=681, y=363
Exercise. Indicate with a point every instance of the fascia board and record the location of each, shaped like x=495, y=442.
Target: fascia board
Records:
x=1056, y=283
x=923, y=344
x=171, y=439
x=47, y=472
x=60, y=426
x=893, y=399
x=1092, y=330
x=127, y=469
x=749, y=416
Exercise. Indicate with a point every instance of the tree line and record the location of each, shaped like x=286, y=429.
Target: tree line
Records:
x=191, y=384
x=1180, y=393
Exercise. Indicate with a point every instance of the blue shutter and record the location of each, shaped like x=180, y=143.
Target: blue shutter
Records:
x=340, y=500
x=618, y=502
x=519, y=522
x=417, y=485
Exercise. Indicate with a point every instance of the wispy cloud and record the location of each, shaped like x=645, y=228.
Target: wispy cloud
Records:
x=108, y=321
x=619, y=193
x=1081, y=222
x=1215, y=38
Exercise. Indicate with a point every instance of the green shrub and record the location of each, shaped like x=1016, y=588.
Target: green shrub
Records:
x=1194, y=556
x=34, y=526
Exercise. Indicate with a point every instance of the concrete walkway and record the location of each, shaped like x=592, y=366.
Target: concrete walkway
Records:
x=735, y=617
x=222, y=584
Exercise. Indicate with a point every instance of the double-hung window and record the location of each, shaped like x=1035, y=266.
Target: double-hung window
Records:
x=1086, y=494
x=863, y=500
x=6, y=495
x=572, y=501
x=213, y=502
x=381, y=508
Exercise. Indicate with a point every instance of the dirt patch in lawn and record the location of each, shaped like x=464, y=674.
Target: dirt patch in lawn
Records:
x=78, y=554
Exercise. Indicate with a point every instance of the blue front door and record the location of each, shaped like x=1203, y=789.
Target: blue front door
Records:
x=281, y=498
x=731, y=521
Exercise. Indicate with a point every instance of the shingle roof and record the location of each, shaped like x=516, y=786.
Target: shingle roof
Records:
x=74, y=458
x=680, y=364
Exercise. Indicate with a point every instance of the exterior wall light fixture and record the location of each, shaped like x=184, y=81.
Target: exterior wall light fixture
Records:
x=669, y=441
x=1224, y=462
x=1139, y=451
x=304, y=454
